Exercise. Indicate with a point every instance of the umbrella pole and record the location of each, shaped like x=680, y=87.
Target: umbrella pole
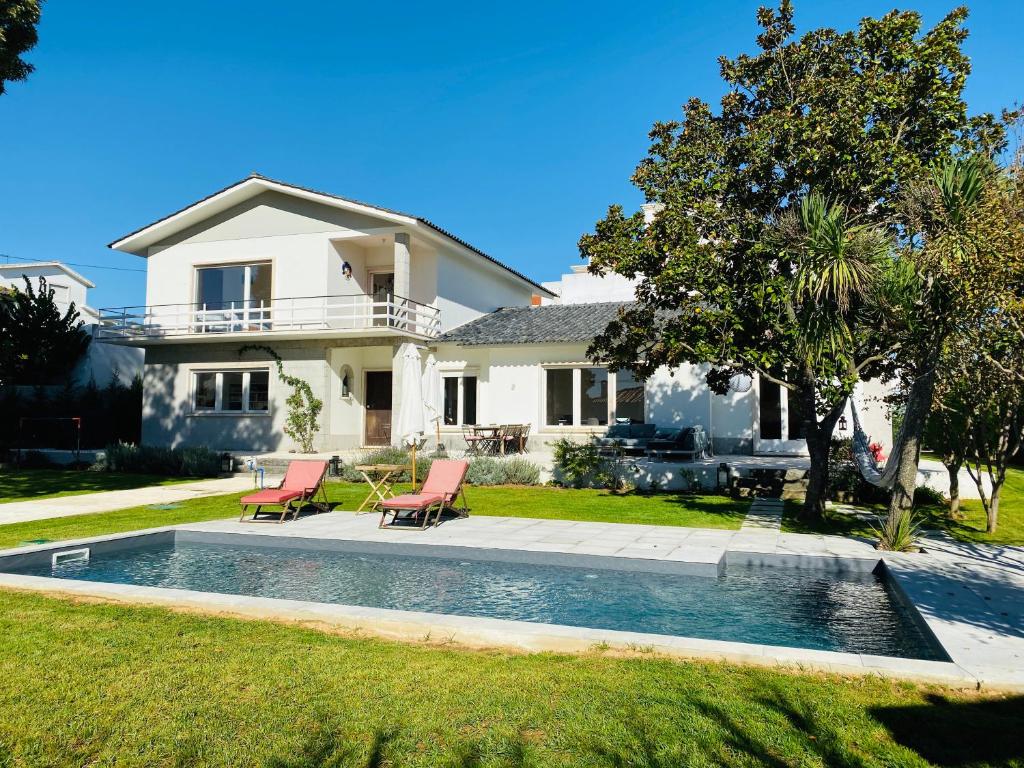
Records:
x=414, y=467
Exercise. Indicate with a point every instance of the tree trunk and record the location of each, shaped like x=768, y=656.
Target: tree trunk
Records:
x=919, y=403
x=992, y=518
x=817, y=476
x=819, y=448
x=954, y=488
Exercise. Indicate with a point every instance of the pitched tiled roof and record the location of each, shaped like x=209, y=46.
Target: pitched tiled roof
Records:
x=547, y=324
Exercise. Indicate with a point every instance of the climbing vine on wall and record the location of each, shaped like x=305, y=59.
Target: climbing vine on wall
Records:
x=304, y=407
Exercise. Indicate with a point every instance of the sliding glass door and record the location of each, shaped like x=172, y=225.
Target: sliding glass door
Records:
x=778, y=426
x=233, y=298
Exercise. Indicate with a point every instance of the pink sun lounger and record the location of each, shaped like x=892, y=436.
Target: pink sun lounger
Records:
x=439, y=492
x=303, y=483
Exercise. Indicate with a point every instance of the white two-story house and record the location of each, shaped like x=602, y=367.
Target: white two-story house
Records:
x=338, y=289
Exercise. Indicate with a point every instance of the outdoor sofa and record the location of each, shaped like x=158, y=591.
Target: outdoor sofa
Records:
x=629, y=439
x=684, y=444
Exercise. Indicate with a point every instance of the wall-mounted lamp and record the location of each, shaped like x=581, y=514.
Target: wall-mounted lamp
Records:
x=843, y=423
x=346, y=270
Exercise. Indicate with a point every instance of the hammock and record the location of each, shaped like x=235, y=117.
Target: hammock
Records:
x=866, y=464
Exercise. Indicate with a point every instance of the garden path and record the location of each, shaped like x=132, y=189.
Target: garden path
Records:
x=107, y=501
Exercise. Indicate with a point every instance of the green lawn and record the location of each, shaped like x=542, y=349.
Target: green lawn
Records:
x=542, y=502
x=1010, y=528
x=702, y=511
x=27, y=484
x=100, y=684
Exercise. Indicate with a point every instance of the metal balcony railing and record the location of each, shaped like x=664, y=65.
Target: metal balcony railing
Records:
x=303, y=313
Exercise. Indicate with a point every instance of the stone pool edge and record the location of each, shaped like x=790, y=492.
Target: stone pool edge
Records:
x=485, y=633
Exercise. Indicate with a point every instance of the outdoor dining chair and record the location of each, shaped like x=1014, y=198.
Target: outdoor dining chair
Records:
x=473, y=440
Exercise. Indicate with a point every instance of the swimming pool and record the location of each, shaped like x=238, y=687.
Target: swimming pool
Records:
x=848, y=610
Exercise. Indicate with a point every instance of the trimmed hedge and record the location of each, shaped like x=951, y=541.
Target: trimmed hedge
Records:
x=152, y=460
x=483, y=470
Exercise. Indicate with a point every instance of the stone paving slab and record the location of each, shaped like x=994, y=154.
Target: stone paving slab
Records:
x=764, y=514
x=108, y=501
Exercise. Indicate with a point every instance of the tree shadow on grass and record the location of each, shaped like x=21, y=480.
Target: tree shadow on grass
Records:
x=719, y=506
x=834, y=523
x=958, y=733
x=325, y=749
x=818, y=737
x=26, y=484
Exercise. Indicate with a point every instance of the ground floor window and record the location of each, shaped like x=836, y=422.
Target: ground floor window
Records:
x=231, y=391
x=459, y=399
x=591, y=396
x=629, y=397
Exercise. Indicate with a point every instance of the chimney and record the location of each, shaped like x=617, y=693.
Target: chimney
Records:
x=651, y=210
x=535, y=300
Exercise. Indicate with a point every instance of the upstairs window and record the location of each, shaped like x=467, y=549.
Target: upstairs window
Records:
x=233, y=298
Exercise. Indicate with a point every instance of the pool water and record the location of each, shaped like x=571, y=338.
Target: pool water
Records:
x=853, y=612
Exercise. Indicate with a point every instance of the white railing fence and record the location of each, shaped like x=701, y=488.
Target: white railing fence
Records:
x=303, y=313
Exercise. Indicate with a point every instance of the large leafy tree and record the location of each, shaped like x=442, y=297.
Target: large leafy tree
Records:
x=731, y=275
x=39, y=344
x=18, y=21
x=972, y=252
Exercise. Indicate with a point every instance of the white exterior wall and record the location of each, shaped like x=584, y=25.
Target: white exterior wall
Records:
x=581, y=287
x=167, y=415
x=344, y=417
x=299, y=266
x=874, y=414
x=470, y=287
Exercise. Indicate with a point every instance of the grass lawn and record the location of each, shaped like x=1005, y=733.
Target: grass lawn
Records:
x=701, y=511
x=1010, y=528
x=100, y=684
x=28, y=484
x=542, y=502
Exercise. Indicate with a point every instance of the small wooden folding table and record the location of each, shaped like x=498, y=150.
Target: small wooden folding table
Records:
x=378, y=477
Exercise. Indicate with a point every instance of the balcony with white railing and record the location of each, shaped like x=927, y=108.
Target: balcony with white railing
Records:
x=296, y=317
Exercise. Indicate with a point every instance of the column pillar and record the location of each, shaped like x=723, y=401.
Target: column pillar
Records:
x=402, y=268
x=396, y=390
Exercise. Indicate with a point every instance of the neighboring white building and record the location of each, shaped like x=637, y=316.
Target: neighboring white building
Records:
x=337, y=289
x=101, y=361
x=68, y=286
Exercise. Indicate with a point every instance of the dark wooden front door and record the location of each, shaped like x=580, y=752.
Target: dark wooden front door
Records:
x=378, y=407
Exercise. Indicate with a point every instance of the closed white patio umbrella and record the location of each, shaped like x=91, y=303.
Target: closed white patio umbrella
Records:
x=432, y=395
x=411, y=424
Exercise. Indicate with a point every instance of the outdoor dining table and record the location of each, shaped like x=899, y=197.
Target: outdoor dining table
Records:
x=378, y=477
x=489, y=433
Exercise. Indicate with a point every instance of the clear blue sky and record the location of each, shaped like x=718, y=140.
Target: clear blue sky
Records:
x=514, y=125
